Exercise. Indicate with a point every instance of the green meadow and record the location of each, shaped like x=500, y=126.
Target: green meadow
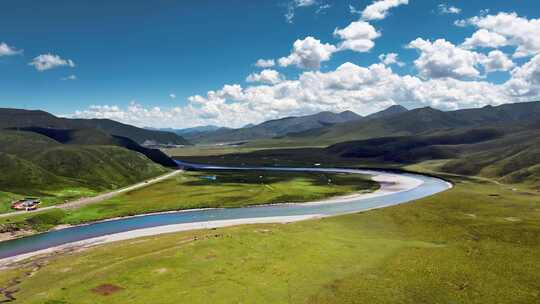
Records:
x=476, y=243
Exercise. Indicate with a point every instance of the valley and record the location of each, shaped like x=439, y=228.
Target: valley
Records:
x=490, y=160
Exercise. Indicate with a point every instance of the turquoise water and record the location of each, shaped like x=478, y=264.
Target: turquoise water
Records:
x=59, y=237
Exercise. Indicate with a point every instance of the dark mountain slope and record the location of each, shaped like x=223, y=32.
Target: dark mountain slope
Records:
x=510, y=154
x=139, y=135
x=410, y=149
x=513, y=158
x=17, y=118
x=96, y=137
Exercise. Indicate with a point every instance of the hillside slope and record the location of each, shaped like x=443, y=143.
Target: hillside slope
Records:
x=511, y=155
x=17, y=118
x=97, y=137
x=512, y=159
x=34, y=164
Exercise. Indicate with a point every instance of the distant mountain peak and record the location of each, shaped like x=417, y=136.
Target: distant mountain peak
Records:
x=392, y=110
x=428, y=110
x=349, y=114
x=397, y=108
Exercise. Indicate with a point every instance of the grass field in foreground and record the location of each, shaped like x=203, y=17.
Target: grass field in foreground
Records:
x=191, y=190
x=476, y=243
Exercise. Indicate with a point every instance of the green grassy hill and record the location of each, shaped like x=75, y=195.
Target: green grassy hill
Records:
x=97, y=137
x=17, y=118
x=512, y=159
x=34, y=164
x=509, y=155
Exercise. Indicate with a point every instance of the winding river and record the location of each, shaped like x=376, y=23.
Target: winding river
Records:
x=396, y=188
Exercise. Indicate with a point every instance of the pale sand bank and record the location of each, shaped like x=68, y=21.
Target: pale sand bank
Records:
x=154, y=231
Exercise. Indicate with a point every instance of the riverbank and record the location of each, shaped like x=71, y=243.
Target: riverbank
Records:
x=81, y=245
x=194, y=191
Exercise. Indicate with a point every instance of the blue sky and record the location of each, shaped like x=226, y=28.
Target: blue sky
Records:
x=124, y=59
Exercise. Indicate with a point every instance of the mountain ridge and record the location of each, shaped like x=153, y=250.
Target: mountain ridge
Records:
x=275, y=127
x=418, y=121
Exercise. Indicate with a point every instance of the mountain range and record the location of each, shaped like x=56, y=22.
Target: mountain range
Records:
x=293, y=126
x=273, y=128
x=416, y=121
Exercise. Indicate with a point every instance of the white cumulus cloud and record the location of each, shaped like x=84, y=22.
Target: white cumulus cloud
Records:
x=520, y=32
x=49, y=61
x=308, y=53
x=265, y=63
x=390, y=58
x=266, y=76
x=448, y=9
x=525, y=79
x=357, y=36
x=485, y=38
x=496, y=61
x=441, y=58
x=379, y=9
x=6, y=50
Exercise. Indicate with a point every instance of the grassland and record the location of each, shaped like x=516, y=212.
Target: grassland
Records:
x=206, y=150
x=5, y=200
x=477, y=243
x=217, y=150
x=199, y=190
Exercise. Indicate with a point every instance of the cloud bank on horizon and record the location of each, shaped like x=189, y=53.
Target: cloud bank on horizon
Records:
x=445, y=74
